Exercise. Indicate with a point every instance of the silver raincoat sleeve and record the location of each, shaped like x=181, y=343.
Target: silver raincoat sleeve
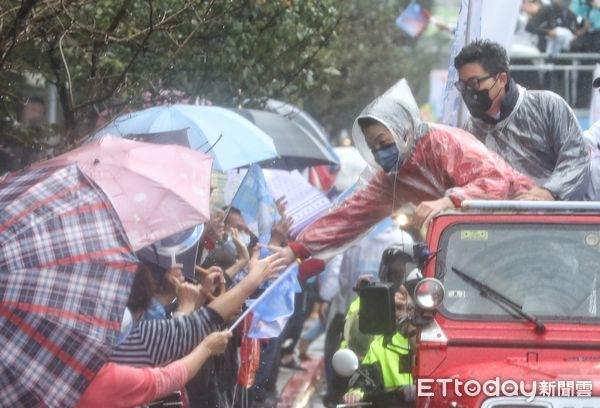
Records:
x=542, y=139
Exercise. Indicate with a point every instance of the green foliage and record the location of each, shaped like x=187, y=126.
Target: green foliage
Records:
x=269, y=48
x=371, y=54
x=107, y=56
x=103, y=55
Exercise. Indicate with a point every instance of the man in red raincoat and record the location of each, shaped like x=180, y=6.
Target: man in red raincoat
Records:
x=426, y=166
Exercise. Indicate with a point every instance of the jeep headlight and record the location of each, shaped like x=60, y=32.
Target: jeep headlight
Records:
x=429, y=294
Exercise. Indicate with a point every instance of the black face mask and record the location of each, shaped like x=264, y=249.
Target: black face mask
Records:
x=478, y=102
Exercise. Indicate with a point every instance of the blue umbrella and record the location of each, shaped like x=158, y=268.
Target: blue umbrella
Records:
x=232, y=140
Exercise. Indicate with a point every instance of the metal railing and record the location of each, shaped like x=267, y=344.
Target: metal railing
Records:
x=569, y=64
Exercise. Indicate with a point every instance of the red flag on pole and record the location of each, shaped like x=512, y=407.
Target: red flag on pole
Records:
x=249, y=355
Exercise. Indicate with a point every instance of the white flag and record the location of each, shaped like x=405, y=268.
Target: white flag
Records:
x=595, y=105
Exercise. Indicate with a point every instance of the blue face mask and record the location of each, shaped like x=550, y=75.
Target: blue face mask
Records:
x=245, y=238
x=388, y=158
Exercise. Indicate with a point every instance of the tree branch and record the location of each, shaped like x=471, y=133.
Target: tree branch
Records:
x=125, y=70
x=64, y=60
x=99, y=44
x=20, y=22
x=157, y=26
x=61, y=88
x=306, y=62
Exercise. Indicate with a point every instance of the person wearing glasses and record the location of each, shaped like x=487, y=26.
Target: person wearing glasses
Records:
x=534, y=131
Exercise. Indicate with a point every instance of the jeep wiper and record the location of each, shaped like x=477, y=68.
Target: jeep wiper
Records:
x=490, y=293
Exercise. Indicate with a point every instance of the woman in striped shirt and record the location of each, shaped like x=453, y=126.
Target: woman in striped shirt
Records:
x=161, y=341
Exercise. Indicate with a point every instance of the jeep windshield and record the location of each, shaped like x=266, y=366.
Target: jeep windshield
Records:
x=552, y=271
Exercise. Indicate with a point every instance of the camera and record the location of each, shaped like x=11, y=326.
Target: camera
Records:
x=376, y=314
x=399, y=267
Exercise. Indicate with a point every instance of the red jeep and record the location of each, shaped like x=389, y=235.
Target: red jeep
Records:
x=519, y=324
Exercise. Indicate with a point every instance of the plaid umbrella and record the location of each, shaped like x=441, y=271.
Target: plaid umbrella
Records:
x=66, y=269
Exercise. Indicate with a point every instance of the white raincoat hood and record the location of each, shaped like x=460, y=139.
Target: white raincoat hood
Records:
x=398, y=111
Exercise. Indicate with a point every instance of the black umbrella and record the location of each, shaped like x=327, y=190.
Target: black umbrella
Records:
x=298, y=116
x=176, y=137
x=297, y=147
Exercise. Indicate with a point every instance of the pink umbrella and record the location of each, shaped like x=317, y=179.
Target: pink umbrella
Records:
x=157, y=190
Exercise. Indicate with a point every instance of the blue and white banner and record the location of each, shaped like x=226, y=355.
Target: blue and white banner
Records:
x=256, y=204
x=274, y=307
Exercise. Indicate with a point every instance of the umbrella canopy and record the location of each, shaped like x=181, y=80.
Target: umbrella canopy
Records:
x=297, y=147
x=230, y=139
x=302, y=119
x=298, y=116
x=176, y=137
x=181, y=247
x=157, y=190
x=66, y=269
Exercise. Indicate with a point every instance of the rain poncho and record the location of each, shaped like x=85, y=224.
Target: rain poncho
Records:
x=542, y=139
x=393, y=363
x=442, y=161
x=592, y=139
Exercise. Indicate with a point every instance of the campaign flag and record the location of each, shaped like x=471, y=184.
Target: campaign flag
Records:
x=274, y=306
x=305, y=203
x=256, y=204
x=249, y=356
x=413, y=20
x=468, y=28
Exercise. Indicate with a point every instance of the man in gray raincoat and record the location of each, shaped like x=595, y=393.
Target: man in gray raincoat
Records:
x=535, y=131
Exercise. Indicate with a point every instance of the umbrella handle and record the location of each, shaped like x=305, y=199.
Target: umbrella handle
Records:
x=204, y=273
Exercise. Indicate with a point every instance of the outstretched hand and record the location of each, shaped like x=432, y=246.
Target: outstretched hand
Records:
x=266, y=268
x=286, y=253
x=535, y=194
x=281, y=204
x=425, y=211
x=280, y=233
